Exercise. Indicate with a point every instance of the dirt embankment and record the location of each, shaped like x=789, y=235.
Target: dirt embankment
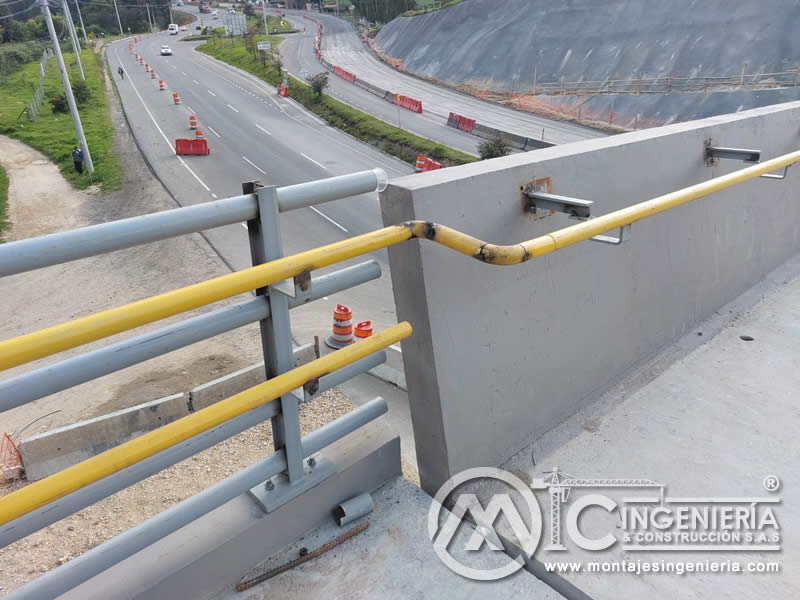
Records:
x=41, y=202
x=505, y=46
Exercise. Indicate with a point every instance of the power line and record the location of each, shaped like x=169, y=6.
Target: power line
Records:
x=19, y=12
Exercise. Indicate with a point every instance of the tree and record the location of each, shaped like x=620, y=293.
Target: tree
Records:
x=493, y=148
x=318, y=83
x=249, y=10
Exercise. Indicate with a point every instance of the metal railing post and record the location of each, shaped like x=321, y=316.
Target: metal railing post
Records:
x=276, y=336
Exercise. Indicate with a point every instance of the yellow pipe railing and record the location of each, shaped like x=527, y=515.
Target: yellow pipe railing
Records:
x=73, y=478
x=54, y=339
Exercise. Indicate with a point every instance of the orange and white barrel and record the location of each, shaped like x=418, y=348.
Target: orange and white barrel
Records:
x=199, y=134
x=192, y=122
x=342, y=327
x=152, y=74
x=176, y=98
x=161, y=85
x=363, y=330
x=420, y=162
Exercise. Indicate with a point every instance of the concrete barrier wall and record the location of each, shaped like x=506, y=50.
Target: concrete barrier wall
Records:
x=58, y=449
x=52, y=451
x=500, y=355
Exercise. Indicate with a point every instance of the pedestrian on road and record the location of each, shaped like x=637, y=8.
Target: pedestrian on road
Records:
x=121, y=72
x=77, y=158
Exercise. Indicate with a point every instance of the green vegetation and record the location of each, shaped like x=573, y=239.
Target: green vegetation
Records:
x=494, y=148
x=53, y=133
x=3, y=202
x=392, y=140
x=426, y=6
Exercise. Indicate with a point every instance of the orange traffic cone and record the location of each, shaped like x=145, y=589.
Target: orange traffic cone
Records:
x=420, y=162
x=161, y=85
x=363, y=329
x=342, y=327
x=192, y=122
x=176, y=98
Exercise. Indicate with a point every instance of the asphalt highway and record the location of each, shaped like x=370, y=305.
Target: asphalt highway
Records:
x=254, y=135
x=342, y=46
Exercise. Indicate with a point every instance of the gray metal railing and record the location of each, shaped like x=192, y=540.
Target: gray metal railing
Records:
x=259, y=207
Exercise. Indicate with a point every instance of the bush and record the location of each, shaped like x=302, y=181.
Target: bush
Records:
x=318, y=83
x=493, y=148
x=81, y=91
x=59, y=104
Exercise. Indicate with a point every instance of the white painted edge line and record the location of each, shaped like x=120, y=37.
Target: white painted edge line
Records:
x=166, y=139
x=232, y=108
x=254, y=165
x=306, y=156
x=262, y=129
x=211, y=129
x=212, y=93
x=326, y=217
x=195, y=81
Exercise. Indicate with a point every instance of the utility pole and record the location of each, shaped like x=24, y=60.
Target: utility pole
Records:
x=76, y=44
x=264, y=6
x=83, y=27
x=171, y=20
x=149, y=22
x=76, y=118
x=116, y=10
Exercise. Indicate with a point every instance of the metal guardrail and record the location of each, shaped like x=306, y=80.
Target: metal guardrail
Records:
x=26, y=510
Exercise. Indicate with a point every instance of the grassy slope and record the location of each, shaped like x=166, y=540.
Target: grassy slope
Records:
x=390, y=139
x=3, y=201
x=53, y=134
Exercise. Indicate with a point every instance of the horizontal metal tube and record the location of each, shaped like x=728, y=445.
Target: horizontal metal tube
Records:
x=93, y=469
x=334, y=188
x=80, y=369
x=104, y=556
x=341, y=375
x=64, y=246
x=72, y=503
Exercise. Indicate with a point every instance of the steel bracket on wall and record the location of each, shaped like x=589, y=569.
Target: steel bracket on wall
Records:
x=576, y=209
x=278, y=490
x=714, y=153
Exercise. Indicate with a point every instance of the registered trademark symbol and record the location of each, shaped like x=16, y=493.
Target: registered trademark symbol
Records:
x=771, y=483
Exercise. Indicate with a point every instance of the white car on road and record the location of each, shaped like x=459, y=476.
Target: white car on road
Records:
x=166, y=51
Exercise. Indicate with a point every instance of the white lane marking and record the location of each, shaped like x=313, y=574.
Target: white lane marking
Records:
x=195, y=81
x=262, y=129
x=254, y=165
x=324, y=216
x=166, y=139
x=213, y=194
x=183, y=73
x=243, y=225
x=257, y=83
x=212, y=131
x=212, y=93
x=232, y=108
x=306, y=156
x=190, y=109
